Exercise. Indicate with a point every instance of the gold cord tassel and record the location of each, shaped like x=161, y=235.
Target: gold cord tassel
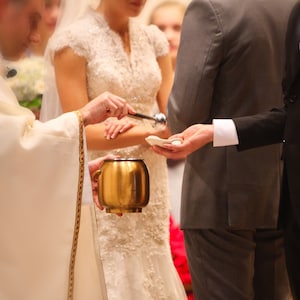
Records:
x=78, y=207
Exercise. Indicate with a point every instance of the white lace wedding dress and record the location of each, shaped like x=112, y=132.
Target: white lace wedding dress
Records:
x=134, y=249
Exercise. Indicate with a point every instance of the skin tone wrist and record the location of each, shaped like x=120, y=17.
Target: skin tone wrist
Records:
x=85, y=117
x=210, y=133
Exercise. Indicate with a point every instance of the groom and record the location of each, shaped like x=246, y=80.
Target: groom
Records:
x=276, y=126
x=230, y=64
x=41, y=176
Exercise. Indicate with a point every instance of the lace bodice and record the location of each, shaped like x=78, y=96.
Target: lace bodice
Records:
x=135, y=77
x=134, y=249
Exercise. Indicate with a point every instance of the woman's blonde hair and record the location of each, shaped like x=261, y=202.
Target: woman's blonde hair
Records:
x=167, y=3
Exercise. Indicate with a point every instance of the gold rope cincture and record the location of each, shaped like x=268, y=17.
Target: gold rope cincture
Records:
x=78, y=208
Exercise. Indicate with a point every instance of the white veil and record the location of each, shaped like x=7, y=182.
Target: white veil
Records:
x=71, y=11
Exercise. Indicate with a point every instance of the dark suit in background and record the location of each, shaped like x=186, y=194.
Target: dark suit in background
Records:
x=231, y=64
x=275, y=127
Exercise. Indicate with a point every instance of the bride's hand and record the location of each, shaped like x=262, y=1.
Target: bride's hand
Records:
x=104, y=106
x=94, y=166
x=115, y=127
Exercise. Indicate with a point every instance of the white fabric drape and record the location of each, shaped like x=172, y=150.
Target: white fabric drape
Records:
x=39, y=178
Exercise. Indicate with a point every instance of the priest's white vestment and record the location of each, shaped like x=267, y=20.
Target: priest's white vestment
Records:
x=46, y=240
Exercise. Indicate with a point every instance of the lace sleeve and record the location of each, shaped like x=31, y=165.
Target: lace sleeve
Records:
x=158, y=40
x=71, y=37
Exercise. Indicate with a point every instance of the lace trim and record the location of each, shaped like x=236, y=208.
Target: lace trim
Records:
x=71, y=37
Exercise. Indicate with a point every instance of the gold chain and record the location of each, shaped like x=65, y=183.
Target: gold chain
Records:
x=78, y=208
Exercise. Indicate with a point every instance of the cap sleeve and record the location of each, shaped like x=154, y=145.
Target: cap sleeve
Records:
x=158, y=40
x=70, y=37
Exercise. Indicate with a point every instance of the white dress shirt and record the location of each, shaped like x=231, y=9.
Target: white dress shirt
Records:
x=225, y=133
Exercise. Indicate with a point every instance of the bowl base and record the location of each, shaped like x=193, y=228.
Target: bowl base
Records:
x=123, y=211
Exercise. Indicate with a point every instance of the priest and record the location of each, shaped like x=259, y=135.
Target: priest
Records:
x=43, y=177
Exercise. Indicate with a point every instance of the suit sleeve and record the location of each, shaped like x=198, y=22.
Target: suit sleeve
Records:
x=261, y=130
x=198, y=60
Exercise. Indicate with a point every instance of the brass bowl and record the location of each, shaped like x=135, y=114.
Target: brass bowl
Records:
x=123, y=185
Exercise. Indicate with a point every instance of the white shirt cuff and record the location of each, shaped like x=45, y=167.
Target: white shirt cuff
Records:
x=225, y=133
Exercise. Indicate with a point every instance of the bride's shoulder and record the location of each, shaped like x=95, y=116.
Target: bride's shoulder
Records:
x=78, y=29
x=156, y=38
x=75, y=36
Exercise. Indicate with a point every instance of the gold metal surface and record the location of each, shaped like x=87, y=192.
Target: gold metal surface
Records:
x=123, y=185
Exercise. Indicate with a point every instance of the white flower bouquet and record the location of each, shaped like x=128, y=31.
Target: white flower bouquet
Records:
x=29, y=83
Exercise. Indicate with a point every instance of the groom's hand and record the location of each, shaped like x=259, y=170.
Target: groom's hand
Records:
x=194, y=138
x=104, y=106
x=94, y=166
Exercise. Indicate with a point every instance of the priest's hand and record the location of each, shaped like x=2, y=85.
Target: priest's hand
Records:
x=194, y=138
x=94, y=166
x=104, y=106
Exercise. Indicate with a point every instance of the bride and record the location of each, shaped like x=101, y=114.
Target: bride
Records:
x=104, y=49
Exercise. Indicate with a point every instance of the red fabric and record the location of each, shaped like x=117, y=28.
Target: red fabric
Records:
x=179, y=254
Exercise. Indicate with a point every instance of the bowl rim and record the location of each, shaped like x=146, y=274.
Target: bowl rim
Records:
x=124, y=159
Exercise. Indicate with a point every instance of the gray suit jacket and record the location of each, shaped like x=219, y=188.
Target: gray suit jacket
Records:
x=230, y=64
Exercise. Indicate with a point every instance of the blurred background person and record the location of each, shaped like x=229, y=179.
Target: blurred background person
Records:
x=168, y=17
x=46, y=27
x=28, y=84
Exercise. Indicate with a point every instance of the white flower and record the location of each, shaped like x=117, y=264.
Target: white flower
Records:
x=28, y=84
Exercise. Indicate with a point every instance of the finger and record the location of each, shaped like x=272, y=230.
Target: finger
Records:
x=176, y=136
x=111, y=130
x=117, y=104
x=126, y=127
x=101, y=160
x=126, y=110
x=169, y=154
x=122, y=100
x=171, y=148
x=111, y=156
x=117, y=131
x=95, y=195
x=97, y=163
x=125, y=105
x=96, y=200
x=162, y=151
x=167, y=151
x=130, y=109
x=97, y=203
x=106, y=130
x=93, y=166
x=117, y=112
x=124, y=113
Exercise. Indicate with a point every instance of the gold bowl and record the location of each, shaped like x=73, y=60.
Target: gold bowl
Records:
x=123, y=185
